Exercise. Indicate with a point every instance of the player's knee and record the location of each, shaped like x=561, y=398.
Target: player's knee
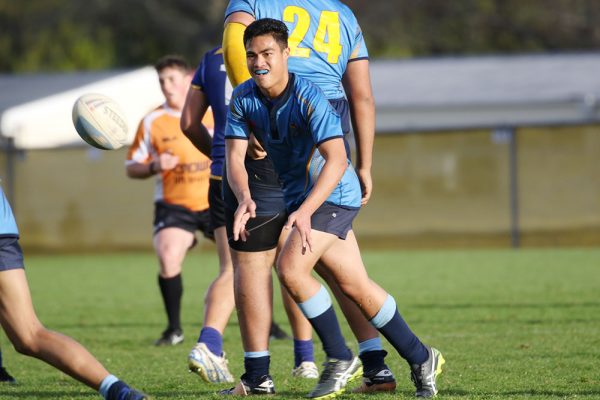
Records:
x=170, y=260
x=28, y=343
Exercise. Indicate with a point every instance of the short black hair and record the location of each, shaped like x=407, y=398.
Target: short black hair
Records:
x=267, y=26
x=172, y=61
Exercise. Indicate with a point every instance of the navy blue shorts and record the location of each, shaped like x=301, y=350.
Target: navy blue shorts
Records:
x=174, y=216
x=11, y=255
x=217, y=205
x=333, y=219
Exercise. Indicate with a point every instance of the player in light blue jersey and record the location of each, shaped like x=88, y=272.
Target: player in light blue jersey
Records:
x=324, y=37
x=327, y=48
x=29, y=336
x=293, y=119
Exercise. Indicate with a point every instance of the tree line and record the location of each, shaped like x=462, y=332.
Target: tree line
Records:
x=63, y=35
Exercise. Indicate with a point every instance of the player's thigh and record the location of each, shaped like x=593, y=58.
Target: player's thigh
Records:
x=252, y=276
x=17, y=315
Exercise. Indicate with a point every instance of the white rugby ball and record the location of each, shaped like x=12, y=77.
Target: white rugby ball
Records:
x=100, y=121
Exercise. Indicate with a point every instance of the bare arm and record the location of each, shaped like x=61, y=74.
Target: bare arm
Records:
x=191, y=124
x=165, y=162
x=237, y=177
x=334, y=153
x=357, y=84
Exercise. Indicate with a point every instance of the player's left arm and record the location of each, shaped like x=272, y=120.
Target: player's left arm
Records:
x=196, y=104
x=357, y=85
x=336, y=162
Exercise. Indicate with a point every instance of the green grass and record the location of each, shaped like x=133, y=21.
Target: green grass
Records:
x=511, y=324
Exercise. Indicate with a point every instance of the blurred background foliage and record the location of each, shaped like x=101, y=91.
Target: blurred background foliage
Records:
x=63, y=35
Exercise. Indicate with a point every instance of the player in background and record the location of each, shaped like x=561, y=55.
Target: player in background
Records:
x=211, y=88
x=327, y=47
x=4, y=375
x=302, y=134
x=29, y=336
x=162, y=151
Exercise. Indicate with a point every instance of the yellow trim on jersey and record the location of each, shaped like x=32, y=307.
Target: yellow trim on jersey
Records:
x=234, y=53
x=216, y=177
x=196, y=87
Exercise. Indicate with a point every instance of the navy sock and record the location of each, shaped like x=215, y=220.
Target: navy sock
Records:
x=0, y=359
x=373, y=361
x=172, y=290
x=256, y=367
x=408, y=345
x=328, y=329
x=118, y=391
x=212, y=339
x=303, y=351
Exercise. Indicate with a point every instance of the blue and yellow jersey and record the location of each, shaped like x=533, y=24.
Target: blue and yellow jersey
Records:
x=8, y=225
x=324, y=37
x=291, y=131
x=211, y=79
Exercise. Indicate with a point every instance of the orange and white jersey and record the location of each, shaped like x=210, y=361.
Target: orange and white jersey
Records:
x=187, y=184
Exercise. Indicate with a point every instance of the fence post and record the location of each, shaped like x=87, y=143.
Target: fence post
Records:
x=515, y=233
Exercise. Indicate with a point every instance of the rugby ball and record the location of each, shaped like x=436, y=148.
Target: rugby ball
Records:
x=100, y=121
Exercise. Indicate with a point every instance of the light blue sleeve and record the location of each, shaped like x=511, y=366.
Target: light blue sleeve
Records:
x=8, y=225
x=359, y=49
x=240, y=5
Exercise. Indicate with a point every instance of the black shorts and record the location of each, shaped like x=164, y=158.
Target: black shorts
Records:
x=271, y=216
x=333, y=219
x=11, y=255
x=217, y=205
x=174, y=216
x=264, y=232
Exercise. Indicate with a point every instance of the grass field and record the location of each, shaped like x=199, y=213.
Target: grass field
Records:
x=511, y=324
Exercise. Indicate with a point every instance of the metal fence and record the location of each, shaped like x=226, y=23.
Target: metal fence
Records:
x=469, y=189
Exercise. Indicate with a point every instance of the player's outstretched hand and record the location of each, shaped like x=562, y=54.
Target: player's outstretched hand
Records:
x=301, y=221
x=246, y=210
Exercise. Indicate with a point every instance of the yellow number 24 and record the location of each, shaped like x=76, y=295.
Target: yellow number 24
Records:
x=329, y=27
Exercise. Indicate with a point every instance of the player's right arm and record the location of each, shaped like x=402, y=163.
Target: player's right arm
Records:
x=357, y=85
x=237, y=177
x=236, y=145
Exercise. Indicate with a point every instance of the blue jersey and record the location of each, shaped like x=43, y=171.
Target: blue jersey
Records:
x=8, y=226
x=291, y=129
x=211, y=79
x=324, y=37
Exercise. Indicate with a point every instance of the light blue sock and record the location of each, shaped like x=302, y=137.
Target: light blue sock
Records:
x=370, y=345
x=106, y=384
